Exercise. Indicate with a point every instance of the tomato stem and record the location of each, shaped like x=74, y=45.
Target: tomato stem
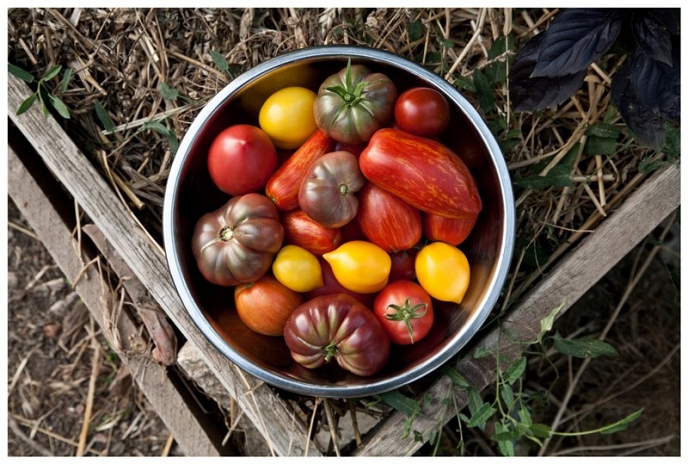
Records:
x=330, y=350
x=226, y=234
x=405, y=313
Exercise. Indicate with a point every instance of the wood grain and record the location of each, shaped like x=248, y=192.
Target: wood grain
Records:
x=271, y=416
x=96, y=293
x=642, y=211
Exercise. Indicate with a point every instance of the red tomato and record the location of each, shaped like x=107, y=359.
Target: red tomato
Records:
x=403, y=265
x=241, y=159
x=404, y=310
x=265, y=305
x=422, y=111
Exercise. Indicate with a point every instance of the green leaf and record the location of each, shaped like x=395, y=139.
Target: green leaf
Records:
x=482, y=353
x=157, y=127
x=483, y=91
x=416, y=30
x=52, y=72
x=26, y=104
x=504, y=438
x=622, y=424
x=167, y=92
x=59, y=106
x=672, y=143
x=583, y=348
x=515, y=371
x=445, y=43
x=603, y=130
x=558, y=176
x=220, y=61
x=64, y=83
x=596, y=145
x=496, y=72
x=173, y=141
x=475, y=401
x=462, y=82
x=540, y=430
x=18, y=72
x=547, y=322
x=647, y=165
x=455, y=377
x=401, y=402
x=104, y=117
x=480, y=417
x=525, y=417
x=507, y=394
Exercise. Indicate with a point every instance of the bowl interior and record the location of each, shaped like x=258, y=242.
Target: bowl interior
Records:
x=191, y=193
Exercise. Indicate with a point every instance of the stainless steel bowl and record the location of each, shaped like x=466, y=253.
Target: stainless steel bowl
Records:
x=190, y=193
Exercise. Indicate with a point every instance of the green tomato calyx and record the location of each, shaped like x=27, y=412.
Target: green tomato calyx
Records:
x=349, y=93
x=405, y=313
x=330, y=350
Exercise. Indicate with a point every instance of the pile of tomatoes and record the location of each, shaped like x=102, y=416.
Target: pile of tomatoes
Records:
x=343, y=219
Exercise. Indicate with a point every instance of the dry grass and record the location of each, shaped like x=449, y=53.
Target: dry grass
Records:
x=121, y=57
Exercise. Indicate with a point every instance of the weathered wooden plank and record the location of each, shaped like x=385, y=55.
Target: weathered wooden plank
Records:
x=95, y=293
x=640, y=213
x=272, y=416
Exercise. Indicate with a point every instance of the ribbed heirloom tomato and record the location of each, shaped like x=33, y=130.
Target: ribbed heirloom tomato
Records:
x=337, y=327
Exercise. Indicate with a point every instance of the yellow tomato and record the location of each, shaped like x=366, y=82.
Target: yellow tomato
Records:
x=287, y=116
x=360, y=266
x=443, y=271
x=297, y=269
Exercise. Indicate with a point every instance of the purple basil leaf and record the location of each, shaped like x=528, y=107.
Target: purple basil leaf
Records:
x=652, y=37
x=643, y=121
x=658, y=85
x=667, y=16
x=532, y=93
x=576, y=38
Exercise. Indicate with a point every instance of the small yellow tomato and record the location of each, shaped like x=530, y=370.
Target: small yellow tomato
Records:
x=360, y=266
x=287, y=116
x=443, y=271
x=297, y=269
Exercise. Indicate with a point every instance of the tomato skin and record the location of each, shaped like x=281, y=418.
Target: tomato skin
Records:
x=301, y=230
x=237, y=242
x=241, y=159
x=360, y=266
x=328, y=192
x=404, y=309
x=422, y=111
x=387, y=220
x=403, y=265
x=287, y=116
x=265, y=305
x=449, y=230
x=283, y=186
x=443, y=271
x=331, y=286
x=435, y=179
x=339, y=327
x=351, y=117
x=297, y=269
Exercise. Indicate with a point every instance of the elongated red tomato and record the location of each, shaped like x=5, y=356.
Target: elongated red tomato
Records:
x=424, y=173
x=283, y=186
x=449, y=230
x=387, y=220
x=301, y=230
